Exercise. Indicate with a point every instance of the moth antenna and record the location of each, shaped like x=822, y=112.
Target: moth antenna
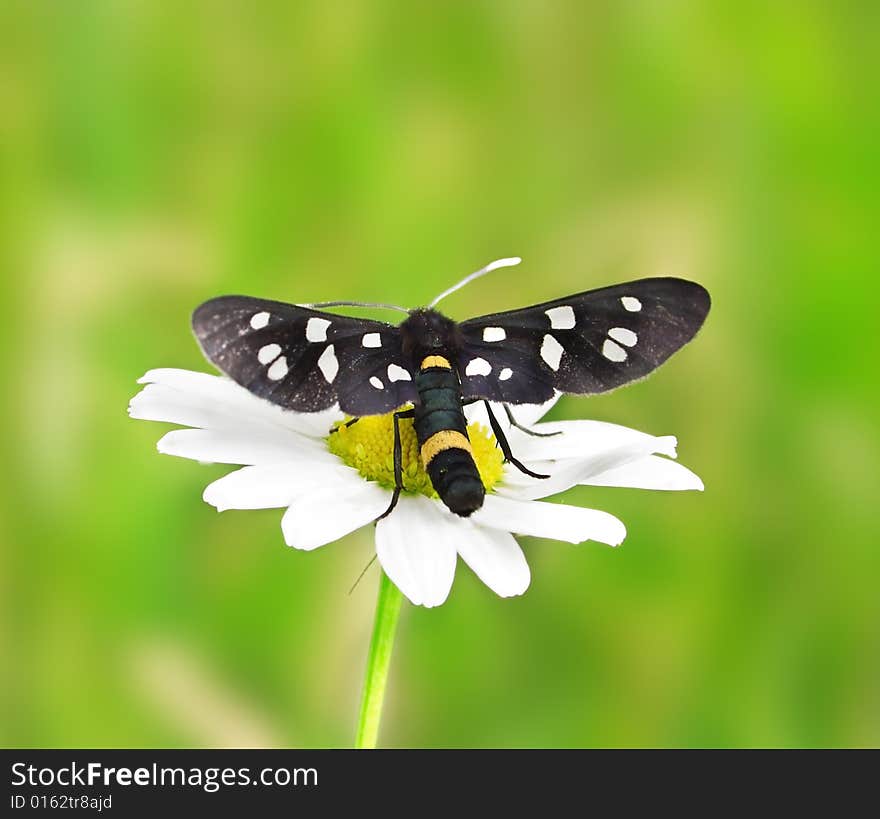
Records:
x=319, y=304
x=511, y=262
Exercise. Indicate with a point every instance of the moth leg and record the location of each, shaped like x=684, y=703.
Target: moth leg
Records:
x=361, y=575
x=505, y=446
x=526, y=430
x=398, y=461
x=350, y=422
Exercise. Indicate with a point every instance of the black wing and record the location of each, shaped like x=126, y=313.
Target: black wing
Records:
x=587, y=343
x=303, y=359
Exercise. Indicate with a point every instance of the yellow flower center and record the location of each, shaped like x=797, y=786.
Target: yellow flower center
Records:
x=368, y=446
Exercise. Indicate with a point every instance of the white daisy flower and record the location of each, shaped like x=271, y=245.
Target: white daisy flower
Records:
x=332, y=483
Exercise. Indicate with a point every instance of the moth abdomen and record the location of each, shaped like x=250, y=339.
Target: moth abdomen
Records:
x=445, y=419
x=441, y=430
x=454, y=475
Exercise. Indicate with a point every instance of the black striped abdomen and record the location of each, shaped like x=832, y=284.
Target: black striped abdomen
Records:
x=441, y=430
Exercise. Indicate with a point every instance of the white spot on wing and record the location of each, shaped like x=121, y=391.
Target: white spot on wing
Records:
x=371, y=340
x=551, y=352
x=631, y=303
x=396, y=373
x=278, y=370
x=478, y=366
x=316, y=329
x=612, y=351
x=561, y=318
x=505, y=374
x=268, y=353
x=329, y=364
x=494, y=334
x=626, y=337
x=259, y=320
x=377, y=382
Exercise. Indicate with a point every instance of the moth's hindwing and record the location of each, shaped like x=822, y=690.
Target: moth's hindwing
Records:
x=304, y=359
x=585, y=344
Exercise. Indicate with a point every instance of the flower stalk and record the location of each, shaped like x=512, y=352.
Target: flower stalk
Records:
x=378, y=662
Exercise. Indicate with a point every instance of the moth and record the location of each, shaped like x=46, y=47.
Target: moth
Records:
x=429, y=366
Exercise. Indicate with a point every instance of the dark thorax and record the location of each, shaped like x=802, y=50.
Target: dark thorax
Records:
x=426, y=332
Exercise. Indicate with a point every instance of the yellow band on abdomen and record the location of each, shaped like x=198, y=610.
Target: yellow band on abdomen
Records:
x=435, y=361
x=445, y=439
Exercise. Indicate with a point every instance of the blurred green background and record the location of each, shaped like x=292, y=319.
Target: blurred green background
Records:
x=157, y=154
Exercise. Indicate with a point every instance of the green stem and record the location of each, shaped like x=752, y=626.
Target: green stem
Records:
x=381, y=644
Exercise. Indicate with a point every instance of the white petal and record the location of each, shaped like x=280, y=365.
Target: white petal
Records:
x=416, y=545
x=187, y=380
x=551, y=520
x=578, y=439
x=652, y=472
x=157, y=402
x=476, y=414
x=324, y=514
x=246, y=446
x=274, y=486
x=496, y=558
x=185, y=388
x=563, y=474
x=525, y=414
x=529, y=414
x=210, y=401
x=312, y=424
